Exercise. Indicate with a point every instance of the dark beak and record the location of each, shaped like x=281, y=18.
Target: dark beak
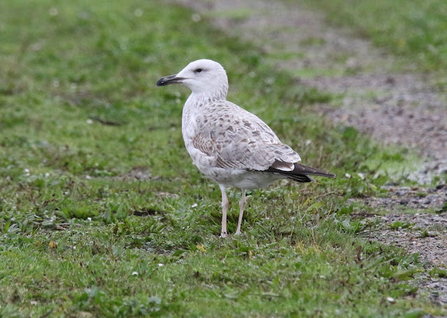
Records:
x=171, y=79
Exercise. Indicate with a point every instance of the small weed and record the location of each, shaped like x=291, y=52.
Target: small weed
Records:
x=400, y=225
x=438, y=272
x=426, y=233
x=442, y=209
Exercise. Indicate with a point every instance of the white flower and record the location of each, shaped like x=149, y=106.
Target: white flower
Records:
x=53, y=11
x=196, y=17
x=138, y=12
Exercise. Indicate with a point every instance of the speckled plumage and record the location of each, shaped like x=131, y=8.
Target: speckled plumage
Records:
x=228, y=144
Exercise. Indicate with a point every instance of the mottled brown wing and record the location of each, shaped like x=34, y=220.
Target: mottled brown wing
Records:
x=242, y=141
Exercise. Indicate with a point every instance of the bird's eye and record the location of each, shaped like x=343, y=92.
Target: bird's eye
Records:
x=198, y=70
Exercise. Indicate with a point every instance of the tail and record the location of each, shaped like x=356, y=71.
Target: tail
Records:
x=301, y=173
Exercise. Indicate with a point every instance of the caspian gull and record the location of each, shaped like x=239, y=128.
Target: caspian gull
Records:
x=228, y=144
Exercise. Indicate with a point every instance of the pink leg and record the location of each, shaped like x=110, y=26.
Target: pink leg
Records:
x=225, y=205
x=242, y=203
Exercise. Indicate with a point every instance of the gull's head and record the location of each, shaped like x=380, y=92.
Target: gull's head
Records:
x=202, y=77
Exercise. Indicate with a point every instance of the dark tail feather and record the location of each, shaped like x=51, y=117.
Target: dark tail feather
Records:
x=301, y=173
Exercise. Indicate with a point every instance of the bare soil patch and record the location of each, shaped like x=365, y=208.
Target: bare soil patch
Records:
x=419, y=232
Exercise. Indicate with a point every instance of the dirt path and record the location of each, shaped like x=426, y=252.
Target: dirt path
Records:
x=394, y=108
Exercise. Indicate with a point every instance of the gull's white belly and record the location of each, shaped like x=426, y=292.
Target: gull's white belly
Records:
x=241, y=179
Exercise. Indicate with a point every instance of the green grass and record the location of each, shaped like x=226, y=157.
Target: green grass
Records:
x=414, y=30
x=103, y=214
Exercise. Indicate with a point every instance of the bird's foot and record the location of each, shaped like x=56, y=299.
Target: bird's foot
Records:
x=238, y=233
x=223, y=234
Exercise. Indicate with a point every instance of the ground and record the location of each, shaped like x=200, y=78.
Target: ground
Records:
x=103, y=214
x=380, y=96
